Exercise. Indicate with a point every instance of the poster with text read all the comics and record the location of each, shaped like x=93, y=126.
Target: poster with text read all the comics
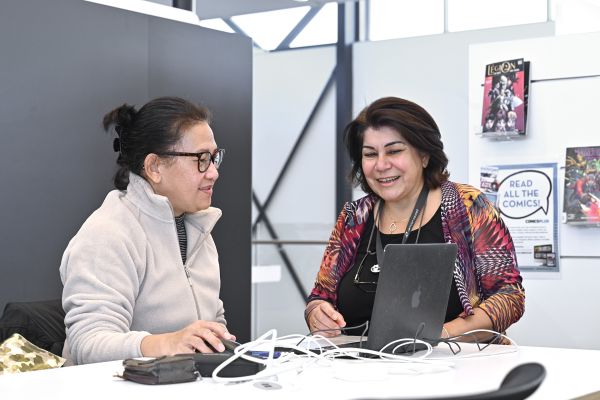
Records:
x=526, y=196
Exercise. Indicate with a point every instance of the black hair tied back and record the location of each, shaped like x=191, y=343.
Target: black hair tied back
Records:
x=117, y=141
x=156, y=127
x=122, y=118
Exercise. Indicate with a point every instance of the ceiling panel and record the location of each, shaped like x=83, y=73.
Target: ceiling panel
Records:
x=226, y=8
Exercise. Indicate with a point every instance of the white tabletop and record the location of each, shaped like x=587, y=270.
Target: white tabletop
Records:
x=570, y=373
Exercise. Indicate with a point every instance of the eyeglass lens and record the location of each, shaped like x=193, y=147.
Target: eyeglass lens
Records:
x=365, y=286
x=205, y=159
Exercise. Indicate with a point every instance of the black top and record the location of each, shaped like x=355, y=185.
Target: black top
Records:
x=355, y=304
x=181, y=236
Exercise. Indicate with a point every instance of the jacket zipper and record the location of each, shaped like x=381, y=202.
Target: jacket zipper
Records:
x=189, y=278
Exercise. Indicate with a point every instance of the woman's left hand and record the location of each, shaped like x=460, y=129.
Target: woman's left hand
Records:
x=478, y=320
x=323, y=318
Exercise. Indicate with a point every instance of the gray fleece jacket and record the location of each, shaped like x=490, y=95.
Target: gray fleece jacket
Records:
x=124, y=278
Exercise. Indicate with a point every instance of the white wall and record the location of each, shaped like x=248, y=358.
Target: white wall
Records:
x=433, y=72
x=562, y=309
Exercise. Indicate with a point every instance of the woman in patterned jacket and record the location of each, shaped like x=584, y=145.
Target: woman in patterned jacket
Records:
x=397, y=155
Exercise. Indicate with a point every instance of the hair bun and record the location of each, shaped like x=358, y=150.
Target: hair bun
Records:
x=121, y=117
x=117, y=145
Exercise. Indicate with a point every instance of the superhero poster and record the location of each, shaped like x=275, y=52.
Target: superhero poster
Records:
x=505, y=95
x=581, y=203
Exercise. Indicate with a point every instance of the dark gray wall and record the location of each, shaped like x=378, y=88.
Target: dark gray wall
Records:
x=63, y=64
x=217, y=72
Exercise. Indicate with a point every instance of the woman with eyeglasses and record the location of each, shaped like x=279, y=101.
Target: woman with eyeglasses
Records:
x=398, y=159
x=141, y=277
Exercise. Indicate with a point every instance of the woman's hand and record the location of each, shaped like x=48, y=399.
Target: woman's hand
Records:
x=479, y=320
x=202, y=336
x=323, y=316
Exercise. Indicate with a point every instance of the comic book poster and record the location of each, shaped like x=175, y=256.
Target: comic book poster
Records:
x=581, y=203
x=505, y=95
x=489, y=182
x=526, y=197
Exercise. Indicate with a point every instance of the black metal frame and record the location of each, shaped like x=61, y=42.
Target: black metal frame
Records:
x=347, y=35
x=282, y=253
x=348, y=23
x=295, y=147
x=236, y=28
x=285, y=43
x=262, y=207
x=293, y=34
x=184, y=4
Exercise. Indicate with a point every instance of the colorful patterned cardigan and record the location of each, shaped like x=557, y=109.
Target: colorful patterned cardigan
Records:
x=486, y=271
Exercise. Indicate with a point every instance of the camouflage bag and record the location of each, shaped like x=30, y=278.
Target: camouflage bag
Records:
x=17, y=354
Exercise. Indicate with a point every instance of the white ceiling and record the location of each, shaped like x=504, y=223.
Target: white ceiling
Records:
x=226, y=8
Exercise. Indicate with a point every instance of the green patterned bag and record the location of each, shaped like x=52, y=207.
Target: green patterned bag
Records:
x=17, y=354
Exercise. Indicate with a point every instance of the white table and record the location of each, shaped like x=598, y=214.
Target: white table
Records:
x=570, y=373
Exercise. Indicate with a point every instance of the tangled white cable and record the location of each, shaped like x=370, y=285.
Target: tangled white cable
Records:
x=273, y=366
x=303, y=356
x=308, y=350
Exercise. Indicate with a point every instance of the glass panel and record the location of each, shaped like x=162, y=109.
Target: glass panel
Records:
x=268, y=29
x=216, y=24
x=554, y=6
x=279, y=304
x=390, y=19
x=322, y=29
x=480, y=14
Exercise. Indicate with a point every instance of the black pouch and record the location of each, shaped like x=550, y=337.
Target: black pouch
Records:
x=207, y=362
x=161, y=370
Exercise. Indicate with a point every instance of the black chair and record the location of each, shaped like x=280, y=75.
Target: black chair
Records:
x=40, y=322
x=520, y=383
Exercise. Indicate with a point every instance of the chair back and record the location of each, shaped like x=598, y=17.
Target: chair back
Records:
x=520, y=383
x=40, y=322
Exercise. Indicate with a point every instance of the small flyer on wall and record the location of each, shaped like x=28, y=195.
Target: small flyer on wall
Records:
x=527, y=199
x=505, y=97
x=581, y=204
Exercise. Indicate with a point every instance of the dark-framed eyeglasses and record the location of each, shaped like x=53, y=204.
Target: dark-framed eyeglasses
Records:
x=204, y=157
x=365, y=286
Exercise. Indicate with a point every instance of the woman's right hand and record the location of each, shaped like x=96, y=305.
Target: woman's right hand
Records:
x=201, y=336
x=322, y=316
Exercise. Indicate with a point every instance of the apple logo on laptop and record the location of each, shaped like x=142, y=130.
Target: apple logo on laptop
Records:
x=416, y=298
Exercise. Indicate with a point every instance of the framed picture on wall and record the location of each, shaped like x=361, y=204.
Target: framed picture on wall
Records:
x=581, y=204
x=505, y=97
